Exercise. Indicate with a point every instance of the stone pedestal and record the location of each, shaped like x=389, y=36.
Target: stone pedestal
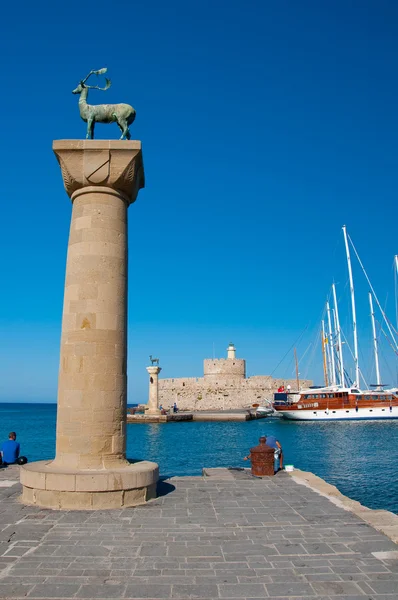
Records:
x=153, y=398
x=90, y=469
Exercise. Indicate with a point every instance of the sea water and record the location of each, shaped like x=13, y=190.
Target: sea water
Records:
x=359, y=457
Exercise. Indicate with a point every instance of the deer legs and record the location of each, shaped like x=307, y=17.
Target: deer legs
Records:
x=122, y=123
x=124, y=128
x=90, y=129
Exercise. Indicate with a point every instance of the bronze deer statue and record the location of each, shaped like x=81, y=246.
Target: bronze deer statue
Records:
x=122, y=114
x=154, y=361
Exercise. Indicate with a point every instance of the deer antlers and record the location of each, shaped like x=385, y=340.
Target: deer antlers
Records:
x=96, y=87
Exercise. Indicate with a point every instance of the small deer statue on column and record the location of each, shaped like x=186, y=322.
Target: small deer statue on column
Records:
x=122, y=114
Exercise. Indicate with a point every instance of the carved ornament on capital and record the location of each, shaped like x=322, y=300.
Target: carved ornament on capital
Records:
x=154, y=370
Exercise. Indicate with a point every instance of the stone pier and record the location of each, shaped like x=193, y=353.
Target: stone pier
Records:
x=153, y=398
x=223, y=536
x=90, y=469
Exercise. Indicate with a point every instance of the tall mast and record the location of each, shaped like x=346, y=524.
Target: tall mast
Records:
x=375, y=297
x=396, y=288
x=297, y=371
x=331, y=347
x=396, y=294
x=375, y=343
x=325, y=370
x=338, y=332
x=327, y=351
x=354, y=312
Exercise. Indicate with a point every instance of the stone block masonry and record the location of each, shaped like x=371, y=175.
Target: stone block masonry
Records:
x=90, y=469
x=224, y=386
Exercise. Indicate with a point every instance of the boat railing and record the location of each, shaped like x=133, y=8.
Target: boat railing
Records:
x=282, y=398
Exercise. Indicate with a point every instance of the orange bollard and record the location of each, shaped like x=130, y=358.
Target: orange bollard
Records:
x=262, y=459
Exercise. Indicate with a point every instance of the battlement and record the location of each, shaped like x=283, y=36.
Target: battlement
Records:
x=225, y=368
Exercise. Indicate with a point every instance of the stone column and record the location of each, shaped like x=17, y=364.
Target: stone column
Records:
x=90, y=469
x=153, y=398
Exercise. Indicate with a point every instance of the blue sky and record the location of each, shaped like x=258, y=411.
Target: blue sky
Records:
x=265, y=127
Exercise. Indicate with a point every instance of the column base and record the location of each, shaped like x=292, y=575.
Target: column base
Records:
x=51, y=487
x=153, y=411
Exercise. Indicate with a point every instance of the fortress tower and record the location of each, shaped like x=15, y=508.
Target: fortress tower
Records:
x=225, y=369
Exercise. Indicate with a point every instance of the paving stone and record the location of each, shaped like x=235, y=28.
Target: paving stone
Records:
x=325, y=577
x=371, y=547
x=248, y=549
x=318, y=548
x=290, y=589
x=336, y=588
x=384, y=587
x=14, y=590
x=101, y=591
x=48, y=572
x=222, y=572
x=205, y=551
x=201, y=590
x=148, y=591
x=81, y=551
x=286, y=576
x=339, y=548
x=353, y=577
x=152, y=550
x=183, y=579
x=17, y=551
x=96, y=572
x=263, y=579
x=54, y=590
x=23, y=579
x=197, y=564
x=290, y=549
x=147, y=572
x=315, y=570
x=242, y=590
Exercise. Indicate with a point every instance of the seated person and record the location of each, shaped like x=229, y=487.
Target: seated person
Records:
x=272, y=442
x=10, y=449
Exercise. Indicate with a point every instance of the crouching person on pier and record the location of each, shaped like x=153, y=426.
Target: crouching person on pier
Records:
x=264, y=456
x=278, y=453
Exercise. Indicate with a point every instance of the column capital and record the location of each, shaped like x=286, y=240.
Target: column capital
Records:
x=115, y=164
x=153, y=370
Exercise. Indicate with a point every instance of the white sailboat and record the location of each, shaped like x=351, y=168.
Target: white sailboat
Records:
x=336, y=400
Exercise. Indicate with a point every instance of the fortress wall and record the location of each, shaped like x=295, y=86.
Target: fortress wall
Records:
x=180, y=382
x=230, y=367
x=224, y=386
x=204, y=394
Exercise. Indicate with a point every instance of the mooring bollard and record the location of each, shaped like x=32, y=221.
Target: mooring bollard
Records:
x=262, y=459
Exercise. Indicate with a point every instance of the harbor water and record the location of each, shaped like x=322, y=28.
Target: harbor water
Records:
x=359, y=457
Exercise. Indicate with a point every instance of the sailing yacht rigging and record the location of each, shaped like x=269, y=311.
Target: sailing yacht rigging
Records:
x=336, y=401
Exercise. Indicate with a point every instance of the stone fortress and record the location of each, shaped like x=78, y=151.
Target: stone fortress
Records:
x=224, y=386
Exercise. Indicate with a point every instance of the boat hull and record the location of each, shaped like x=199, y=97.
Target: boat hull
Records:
x=342, y=414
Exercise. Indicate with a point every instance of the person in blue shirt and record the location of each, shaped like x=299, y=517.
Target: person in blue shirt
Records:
x=10, y=449
x=272, y=442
